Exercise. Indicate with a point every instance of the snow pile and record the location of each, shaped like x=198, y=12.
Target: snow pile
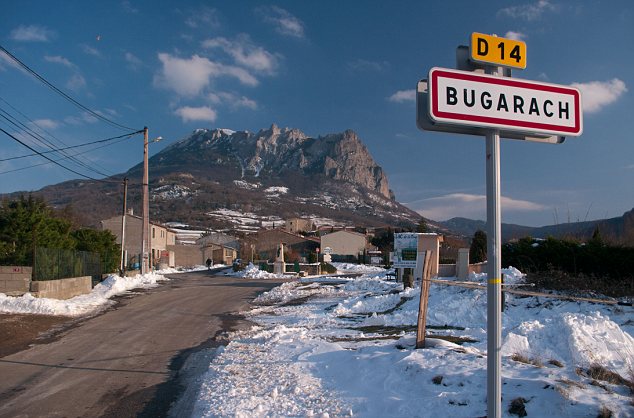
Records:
x=253, y=272
x=89, y=303
x=357, y=268
x=511, y=276
x=347, y=349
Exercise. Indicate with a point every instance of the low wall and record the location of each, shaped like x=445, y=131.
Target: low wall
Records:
x=446, y=270
x=478, y=267
x=62, y=288
x=15, y=280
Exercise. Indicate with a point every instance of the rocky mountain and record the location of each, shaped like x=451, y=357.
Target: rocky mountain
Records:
x=225, y=179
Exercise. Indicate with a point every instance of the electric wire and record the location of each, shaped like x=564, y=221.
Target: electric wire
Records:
x=53, y=161
x=61, y=93
x=99, y=141
x=44, y=131
x=79, y=153
x=44, y=141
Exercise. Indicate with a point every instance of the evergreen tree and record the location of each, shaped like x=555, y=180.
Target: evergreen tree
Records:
x=478, y=249
x=422, y=226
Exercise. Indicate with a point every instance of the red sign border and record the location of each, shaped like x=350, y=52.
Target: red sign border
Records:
x=436, y=73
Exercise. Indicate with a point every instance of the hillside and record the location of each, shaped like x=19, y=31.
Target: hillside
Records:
x=619, y=229
x=224, y=179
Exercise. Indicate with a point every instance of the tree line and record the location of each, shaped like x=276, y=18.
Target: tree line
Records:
x=28, y=222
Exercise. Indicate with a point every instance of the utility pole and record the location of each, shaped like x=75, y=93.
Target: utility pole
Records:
x=123, y=216
x=145, y=229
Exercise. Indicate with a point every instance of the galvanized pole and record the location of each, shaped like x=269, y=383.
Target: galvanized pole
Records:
x=123, y=216
x=494, y=241
x=145, y=229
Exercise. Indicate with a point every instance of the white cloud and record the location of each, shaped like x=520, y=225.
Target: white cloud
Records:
x=245, y=53
x=90, y=50
x=598, y=94
x=402, y=96
x=204, y=17
x=32, y=33
x=83, y=118
x=362, y=65
x=466, y=205
x=127, y=7
x=76, y=82
x=46, y=124
x=283, y=22
x=529, y=12
x=185, y=76
x=133, y=61
x=232, y=100
x=518, y=36
x=57, y=59
x=204, y=113
x=189, y=77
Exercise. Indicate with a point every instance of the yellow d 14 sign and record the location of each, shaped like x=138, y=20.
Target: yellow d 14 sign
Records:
x=498, y=51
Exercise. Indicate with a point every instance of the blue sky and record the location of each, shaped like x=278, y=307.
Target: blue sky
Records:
x=324, y=67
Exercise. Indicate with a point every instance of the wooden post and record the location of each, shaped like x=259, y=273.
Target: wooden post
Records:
x=424, y=298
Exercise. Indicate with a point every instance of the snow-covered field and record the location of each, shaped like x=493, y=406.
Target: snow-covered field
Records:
x=347, y=349
x=95, y=301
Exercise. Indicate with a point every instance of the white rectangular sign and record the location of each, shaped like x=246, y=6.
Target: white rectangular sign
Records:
x=472, y=99
x=405, y=249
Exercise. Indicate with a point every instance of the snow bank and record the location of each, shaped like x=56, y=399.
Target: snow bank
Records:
x=97, y=299
x=253, y=272
x=347, y=349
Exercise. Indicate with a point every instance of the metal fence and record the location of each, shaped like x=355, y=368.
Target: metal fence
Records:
x=53, y=264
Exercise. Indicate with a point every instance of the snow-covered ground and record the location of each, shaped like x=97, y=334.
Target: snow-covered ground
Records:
x=347, y=349
x=98, y=299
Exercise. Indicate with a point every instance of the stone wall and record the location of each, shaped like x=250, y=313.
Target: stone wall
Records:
x=187, y=255
x=15, y=280
x=62, y=288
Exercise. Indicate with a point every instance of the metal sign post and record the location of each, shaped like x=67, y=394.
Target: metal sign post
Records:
x=494, y=267
x=494, y=105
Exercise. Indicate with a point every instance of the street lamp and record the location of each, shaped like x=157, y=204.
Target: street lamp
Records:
x=145, y=229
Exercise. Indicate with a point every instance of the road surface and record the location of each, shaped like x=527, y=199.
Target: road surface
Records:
x=133, y=360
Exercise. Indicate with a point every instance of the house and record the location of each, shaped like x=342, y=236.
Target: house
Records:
x=220, y=248
x=266, y=242
x=160, y=238
x=296, y=225
x=344, y=244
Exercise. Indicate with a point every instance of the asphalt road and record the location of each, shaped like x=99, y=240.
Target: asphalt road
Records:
x=135, y=359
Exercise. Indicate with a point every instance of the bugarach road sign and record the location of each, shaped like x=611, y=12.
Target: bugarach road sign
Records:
x=471, y=99
x=499, y=51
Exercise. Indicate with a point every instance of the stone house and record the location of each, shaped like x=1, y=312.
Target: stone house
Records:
x=266, y=242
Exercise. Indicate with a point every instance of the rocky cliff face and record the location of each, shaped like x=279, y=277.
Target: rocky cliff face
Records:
x=275, y=152
x=242, y=181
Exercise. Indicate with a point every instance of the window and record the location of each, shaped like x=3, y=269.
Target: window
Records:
x=153, y=232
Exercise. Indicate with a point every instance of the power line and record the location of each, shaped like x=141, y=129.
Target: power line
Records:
x=61, y=93
x=48, y=143
x=73, y=147
x=39, y=138
x=65, y=158
x=46, y=157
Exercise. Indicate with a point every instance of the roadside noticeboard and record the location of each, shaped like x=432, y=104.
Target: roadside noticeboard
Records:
x=405, y=250
x=472, y=99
